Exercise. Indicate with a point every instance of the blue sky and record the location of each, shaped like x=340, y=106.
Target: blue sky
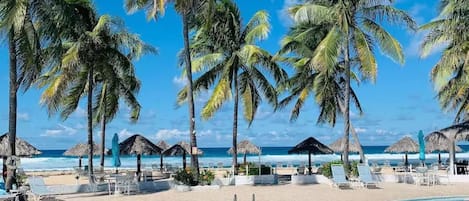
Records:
x=401, y=102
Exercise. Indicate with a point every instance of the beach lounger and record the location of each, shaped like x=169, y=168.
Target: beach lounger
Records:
x=364, y=174
x=338, y=176
x=39, y=189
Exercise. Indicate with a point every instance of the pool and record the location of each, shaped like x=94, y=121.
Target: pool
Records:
x=450, y=198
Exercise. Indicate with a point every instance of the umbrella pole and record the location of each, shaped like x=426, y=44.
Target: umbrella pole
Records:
x=309, y=161
x=161, y=162
x=79, y=162
x=4, y=170
x=139, y=162
x=184, y=160
x=244, y=158
x=439, y=158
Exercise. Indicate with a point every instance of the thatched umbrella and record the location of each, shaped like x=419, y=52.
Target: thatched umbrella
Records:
x=245, y=147
x=139, y=146
x=405, y=145
x=437, y=141
x=455, y=133
x=81, y=149
x=22, y=147
x=337, y=146
x=181, y=149
x=310, y=146
x=163, y=146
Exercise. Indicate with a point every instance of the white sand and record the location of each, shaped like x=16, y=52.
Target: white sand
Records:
x=289, y=192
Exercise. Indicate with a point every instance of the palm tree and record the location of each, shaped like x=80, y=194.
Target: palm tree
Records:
x=227, y=55
x=112, y=87
x=18, y=20
x=328, y=88
x=99, y=59
x=188, y=9
x=450, y=73
x=353, y=32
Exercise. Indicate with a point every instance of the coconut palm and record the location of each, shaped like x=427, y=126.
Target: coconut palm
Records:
x=100, y=59
x=188, y=9
x=19, y=23
x=353, y=32
x=230, y=61
x=450, y=73
x=328, y=88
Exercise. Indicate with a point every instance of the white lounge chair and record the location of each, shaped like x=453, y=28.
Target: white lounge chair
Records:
x=338, y=176
x=39, y=189
x=364, y=174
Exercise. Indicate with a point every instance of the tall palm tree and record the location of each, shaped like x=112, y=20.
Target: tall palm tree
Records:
x=328, y=88
x=229, y=59
x=353, y=32
x=188, y=9
x=18, y=22
x=99, y=59
x=449, y=74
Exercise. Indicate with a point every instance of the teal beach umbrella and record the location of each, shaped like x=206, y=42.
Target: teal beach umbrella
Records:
x=421, y=147
x=116, y=161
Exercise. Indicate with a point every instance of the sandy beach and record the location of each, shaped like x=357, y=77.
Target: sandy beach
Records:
x=289, y=192
x=281, y=192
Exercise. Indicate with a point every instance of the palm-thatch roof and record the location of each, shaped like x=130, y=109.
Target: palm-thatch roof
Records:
x=459, y=131
x=245, y=147
x=179, y=149
x=437, y=141
x=337, y=146
x=404, y=145
x=23, y=148
x=163, y=145
x=82, y=149
x=311, y=145
x=138, y=145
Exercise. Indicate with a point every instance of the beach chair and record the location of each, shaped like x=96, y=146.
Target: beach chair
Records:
x=127, y=184
x=338, y=176
x=364, y=174
x=39, y=189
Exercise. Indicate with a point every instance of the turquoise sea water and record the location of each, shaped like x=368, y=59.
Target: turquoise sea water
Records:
x=54, y=160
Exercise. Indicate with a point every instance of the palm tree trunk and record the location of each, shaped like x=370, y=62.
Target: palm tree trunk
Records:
x=103, y=139
x=190, y=98
x=12, y=107
x=235, y=122
x=90, y=124
x=347, y=104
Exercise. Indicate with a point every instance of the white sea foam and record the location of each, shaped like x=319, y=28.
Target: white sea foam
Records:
x=67, y=163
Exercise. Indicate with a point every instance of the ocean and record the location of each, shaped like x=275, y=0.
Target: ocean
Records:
x=54, y=160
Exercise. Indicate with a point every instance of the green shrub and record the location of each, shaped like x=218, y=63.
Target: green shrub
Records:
x=351, y=171
x=186, y=177
x=206, y=177
x=254, y=169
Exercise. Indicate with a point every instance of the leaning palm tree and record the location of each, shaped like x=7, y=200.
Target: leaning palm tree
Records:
x=230, y=61
x=450, y=73
x=352, y=34
x=188, y=9
x=19, y=23
x=328, y=88
x=99, y=59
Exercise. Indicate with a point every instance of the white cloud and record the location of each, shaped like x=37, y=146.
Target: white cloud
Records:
x=283, y=14
x=166, y=134
x=124, y=133
x=22, y=116
x=416, y=12
x=79, y=112
x=180, y=81
x=360, y=130
x=62, y=130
